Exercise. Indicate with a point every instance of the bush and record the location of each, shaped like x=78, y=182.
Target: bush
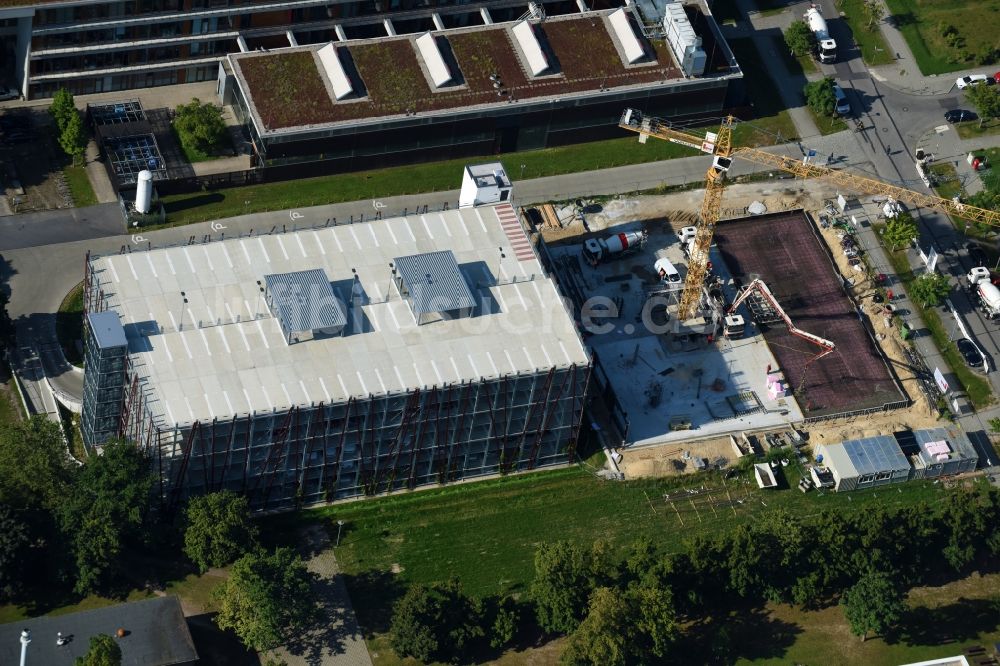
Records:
x=218, y=529
x=200, y=126
x=819, y=96
x=435, y=623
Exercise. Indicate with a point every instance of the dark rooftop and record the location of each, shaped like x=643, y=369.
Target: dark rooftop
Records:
x=156, y=635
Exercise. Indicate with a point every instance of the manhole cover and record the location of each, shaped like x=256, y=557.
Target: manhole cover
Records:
x=756, y=208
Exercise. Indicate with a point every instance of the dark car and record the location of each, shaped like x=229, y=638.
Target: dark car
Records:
x=960, y=115
x=970, y=352
x=977, y=255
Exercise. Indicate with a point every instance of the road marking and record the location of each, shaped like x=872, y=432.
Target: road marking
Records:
x=364, y=388
x=204, y=340
x=152, y=268
x=420, y=380
x=402, y=384
x=548, y=360
x=170, y=357
x=190, y=263
x=302, y=248
x=247, y=397
x=131, y=267
x=528, y=356
x=225, y=253
x=302, y=385
x=426, y=228
x=267, y=257
x=185, y=343
x=246, y=253
x=343, y=386
x=322, y=250
x=262, y=336
x=211, y=412
x=111, y=265
x=225, y=343
x=281, y=245
x=395, y=321
x=340, y=248
x=173, y=322
x=187, y=403
x=378, y=376
x=170, y=412
x=458, y=375
x=246, y=343
x=288, y=397
x=388, y=227
x=170, y=264
x=267, y=398
x=444, y=223
x=208, y=258
x=538, y=292
x=371, y=228
x=437, y=373
x=465, y=229
x=406, y=223
x=475, y=371
x=479, y=216
x=503, y=305
x=517, y=290
x=355, y=237
x=513, y=368
x=322, y=385
x=229, y=405
x=569, y=359
x=489, y=357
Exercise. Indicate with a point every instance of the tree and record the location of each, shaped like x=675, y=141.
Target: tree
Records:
x=73, y=139
x=636, y=627
x=930, y=289
x=799, y=39
x=900, y=230
x=995, y=424
x=104, y=512
x=200, y=126
x=565, y=574
x=435, y=623
x=62, y=108
x=267, y=598
x=34, y=469
x=820, y=96
x=986, y=100
x=505, y=623
x=875, y=11
x=14, y=541
x=874, y=604
x=218, y=529
x=103, y=651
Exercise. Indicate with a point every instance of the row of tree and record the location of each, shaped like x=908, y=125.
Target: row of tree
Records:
x=630, y=609
x=69, y=121
x=81, y=528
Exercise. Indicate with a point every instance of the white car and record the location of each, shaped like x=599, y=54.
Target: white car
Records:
x=970, y=80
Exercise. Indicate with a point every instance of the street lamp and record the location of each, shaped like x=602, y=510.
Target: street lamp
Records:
x=522, y=172
x=25, y=639
x=340, y=526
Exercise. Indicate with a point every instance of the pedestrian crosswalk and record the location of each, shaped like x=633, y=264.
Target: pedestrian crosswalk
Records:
x=515, y=233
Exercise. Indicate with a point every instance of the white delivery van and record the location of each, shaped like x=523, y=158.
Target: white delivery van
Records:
x=667, y=272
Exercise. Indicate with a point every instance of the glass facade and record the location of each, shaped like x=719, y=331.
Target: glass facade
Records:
x=103, y=383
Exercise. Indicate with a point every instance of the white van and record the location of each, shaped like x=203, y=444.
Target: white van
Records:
x=843, y=107
x=667, y=272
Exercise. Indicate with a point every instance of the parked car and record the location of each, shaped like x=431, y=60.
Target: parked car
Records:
x=996, y=77
x=960, y=115
x=843, y=106
x=970, y=352
x=8, y=93
x=970, y=80
x=977, y=255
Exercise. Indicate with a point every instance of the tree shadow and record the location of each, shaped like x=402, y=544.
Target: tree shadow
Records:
x=744, y=633
x=964, y=620
x=375, y=592
x=195, y=202
x=216, y=647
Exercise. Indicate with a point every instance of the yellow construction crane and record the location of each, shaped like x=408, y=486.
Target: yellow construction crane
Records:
x=719, y=145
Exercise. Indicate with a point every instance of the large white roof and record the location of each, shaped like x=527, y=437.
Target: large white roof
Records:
x=221, y=359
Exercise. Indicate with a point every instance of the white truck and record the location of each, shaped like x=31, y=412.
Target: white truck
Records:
x=826, y=46
x=989, y=295
x=597, y=250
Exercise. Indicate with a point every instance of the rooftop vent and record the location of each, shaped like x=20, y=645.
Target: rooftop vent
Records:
x=430, y=51
x=330, y=59
x=304, y=304
x=434, y=286
x=621, y=24
x=527, y=40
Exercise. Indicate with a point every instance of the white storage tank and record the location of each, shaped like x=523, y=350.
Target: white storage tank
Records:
x=144, y=192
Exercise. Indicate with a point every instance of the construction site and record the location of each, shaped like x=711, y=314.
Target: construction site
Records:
x=711, y=320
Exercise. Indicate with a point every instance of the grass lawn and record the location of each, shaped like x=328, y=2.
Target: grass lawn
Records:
x=826, y=124
x=69, y=324
x=963, y=610
x=991, y=176
x=79, y=186
x=445, y=175
x=10, y=403
x=948, y=185
x=972, y=130
x=871, y=43
x=921, y=24
x=977, y=387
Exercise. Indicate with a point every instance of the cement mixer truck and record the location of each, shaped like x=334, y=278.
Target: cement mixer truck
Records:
x=989, y=295
x=598, y=250
x=826, y=47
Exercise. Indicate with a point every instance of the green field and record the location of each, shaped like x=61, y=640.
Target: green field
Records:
x=923, y=23
x=79, y=186
x=972, y=130
x=871, y=43
x=827, y=124
x=991, y=177
x=948, y=185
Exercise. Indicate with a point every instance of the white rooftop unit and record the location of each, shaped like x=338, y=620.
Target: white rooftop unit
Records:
x=683, y=41
x=524, y=32
x=484, y=184
x=429, y=51
x=334, y=69
x=623, y=29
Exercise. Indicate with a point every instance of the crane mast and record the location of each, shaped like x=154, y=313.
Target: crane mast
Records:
x=723, y=152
